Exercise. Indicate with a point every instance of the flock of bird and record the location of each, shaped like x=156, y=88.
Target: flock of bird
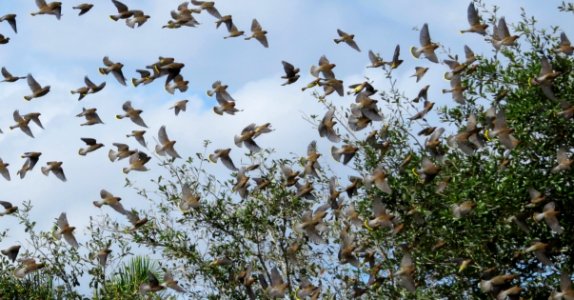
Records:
x=363, y=112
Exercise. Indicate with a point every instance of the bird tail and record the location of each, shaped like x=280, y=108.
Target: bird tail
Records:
x=218, y=110
x=315, y=71
x=103, y=71
x=112, y=155
x=28, y=98
x=135, y=82
x=415, y=52
x=335, y=153
x=114, y=18
x=159, y=150
x=98, y=204
x=45, y=170
x=82, y=152
x=126, y=170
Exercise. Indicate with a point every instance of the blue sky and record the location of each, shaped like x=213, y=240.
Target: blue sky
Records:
x=60, y=53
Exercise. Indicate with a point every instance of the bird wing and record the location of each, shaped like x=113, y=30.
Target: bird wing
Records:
x=33, y=84
x=41, y=4
x=89, y=141
x=5, y=73
x=120, y=6
x=472, y=15
x=424, y=37
x=162, y=135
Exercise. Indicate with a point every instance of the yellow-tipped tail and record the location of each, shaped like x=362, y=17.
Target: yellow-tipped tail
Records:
x=415, y=53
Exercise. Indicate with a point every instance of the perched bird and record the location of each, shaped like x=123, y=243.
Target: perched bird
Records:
x=22, y=123
x=83, y=8
x=145, y=78
x=92, y=145
x=347, y=151
x=8, y=208
x=189, y=199
x=137, y=163
x=180, y=105
x=565, y=45
x=427, y=46
x=123, y=11
x=501, y=35
x=91, y=116
x=291, y=73
x=152, y=284
x=549, y=216
x=347, y=38
x=29, y=265
x=31, y=160
x=420, y=72
x=114, y=68
x=258, y=33
x=11, y=19
x=138, y=18
x=223, y=154
x=545, y=78
x=564, y=162
x=165, y=144
x=66, y=231
x=208, y=6
x=52, y=8
x=9, y=77
x=247, y=136
x=109, y=199
x=132, y=113
x=122, y=152
x=310, y=221
x=326, y=127
x=11, y=252
x=4, y=170
x=37, y=89
x=139, y=136
x=56, y=168
x=474, y=21
x=325, y=67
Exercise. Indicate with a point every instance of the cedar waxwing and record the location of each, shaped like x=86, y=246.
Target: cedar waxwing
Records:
x=8, y=208
x=334, y=194
x=432, y=144
x=352, y=216
x=152, y=284
x=22, y=123
x=103, y=254
x=536, y=197
x=114, y=68
x=456, y=89
x=487, y=286
x=278, y=286
x=165, y=144
x=427, y=46
x=291, y=73
x=396, y=62
x=4, y=170
x=208, y=6
x=289, y=176
x=178, y=84
x=426, y=131
x=564, y=162
x=310, y=221
x=29, y=265
x=545, y=78
x=92, y=144
x=171, y=283
x=11, y=19
x=347, y=248
x=11, y=252
x=311, y=163
x=406, y=272
x=83, y=8
x=347, y=151
x=189, y=199
x=37, y=90
x=468, y=140
x=565, y=45
x=567, y=110
x=138, y=18
x=8, y=77
x=123, y=11
x=91, y=116
x=139, y=136
x=31, y=160
x=134, y=219
x=137, y=162
x=423, y=94
x=145, y=78
x=365, y=107
x=307, y=289
x=379, y=178
x=225, y=101
x=123, y=152
x=93, y=88
x=66, y=231
x=305, y=190
x=332, y=85
x=109, y=199
x=246, y=138
x=56, y=168
x=361, y=89
x=474, y=21
x=566, y=291
x=52, y=8
x=420, y=72
x=549, y=215
x=512, y=291
x=325, y=67
x=326, y=127
x=34, y=117
x=347, y=38
x=502, y=131
x=258, y=33
x=428, y=170
x=132, y=113
x=356, y=183
x=4, y=40
x=539, y=248
x=381, y=217
x=242, y=183
x=426, y=108
x=501, y=35
x=232, y=30
x=223, y=154
x=376, y=60
x=183, y=17
x=180, y=105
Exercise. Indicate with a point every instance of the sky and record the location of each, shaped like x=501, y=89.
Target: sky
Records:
x=60, y=53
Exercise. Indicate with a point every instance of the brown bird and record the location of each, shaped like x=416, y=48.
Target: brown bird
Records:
x=34, y=117
x=428, y=170
x=11, y=19
x=56, y=168
x=223, y=154
x=208, y=6
x=379, y=178
x=8, y=208
x=37, y=89
x=539, y=248
x=89, y=88
x=135, y=220
x=423, y=94
x=291, y=73
x=406, y=272
x=9, y=77
x=66, y=231
x=474, y=21
x=231, y=28
x=132, y=113
x=310, y=221
x=565, y=45
x=103, y=254
x=11, y=252
x=4, y=40
x=138, y=18
x=122, y=152
x=139, y=136
x=258, y=33
x=91, y=116
x=4, y=170
x=165, y=145
x=180, y=105
x=420, y=72
x=332, y=85
x=21, y=123
x=114, y=68
x=137, y=162
x=83, y=8
x=381, y=217
x=427, y=46
x=92, y=145
x=512, y=291
x=109, y=199
x=31, y=160
x=152, y=284
x=456, y=89
x=278, y=286
x=246, y=138
x=422, y=113
x=289, y=176
x=566, y=291
x=567, y=110
x=502, y=131
x=501, y=35
x=29, y=265
x=169, y=282
x=549, y=216
x=564, y=162
x=325, y=67
x=545, y=78
x=311, y=163
x=241, y=183
x=489, y=285
x=347, y=151
x=376, y=60
x=326, y=127
x=536, y=197
x=189, y=199
x=347, y=248
x=178, y=84
x=123, y=11
x=52, y=8
x=227, y=20
x=347, y=38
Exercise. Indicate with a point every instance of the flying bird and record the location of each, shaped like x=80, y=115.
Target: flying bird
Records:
x=11, y=252
x=8, y=208
x=258, y=33
x=29, y=265
x=139, y=136
x=565, y=45
x=223, y=154
x=208, y=6
x=114, y=68
x=165, y=144
x=11, y=19
x=347, y=38
x=474, y=21
x=52, y=8
x=4, y=40
x=56, y=168
x=92, y=145
x=21, y=123
x=66, y=231
x=123, y=11
x=427, y=46
x=501, y=35
x=83, y=8
x=325, y=67
x=91, y=116
x=37, y=89
x=138, y=18
x=420, y=72
x=31, y=160
x=326, y=127
x=291, y=73
x=137, y=163
x=132, y=113
x=145, y=78
x=8, y=77
x=109, y=199
x=4, y=170
x=180, y=105
x=123, y=151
